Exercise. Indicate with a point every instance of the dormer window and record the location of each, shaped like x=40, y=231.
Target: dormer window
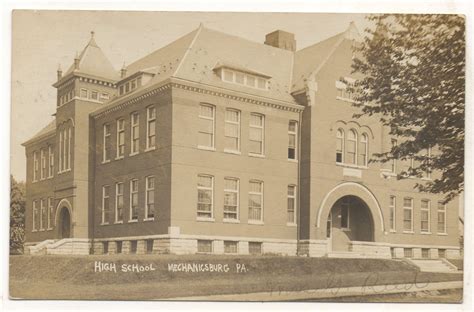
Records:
x=342, y=90
x=130, y=85
x=246, y=79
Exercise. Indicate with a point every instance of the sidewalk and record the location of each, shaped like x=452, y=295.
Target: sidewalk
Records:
x=326, y=293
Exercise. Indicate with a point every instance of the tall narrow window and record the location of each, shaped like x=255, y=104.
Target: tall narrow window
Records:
x=42, y=214
x=134, y=200
x=50, y=213
x=257, y=134
x=231, y=198
x=150, y=198
x=105, y=204
x=339, y=146
x=43, y=164
x=364, y=150
x=35, y=216
x=394, y=161
x=425, y=216
x=64, y=165
x=35, y=166
x=120, y=138
x=134, y=133
x=51, y=161
x=151, y=127
x=345, y=211
x=393, y=209
x=255, y=201
x=408, y=214
x=205, y=196
x=351, y=147
x=106, y=144
x=119, y=202
x=232, y=130
x=60, y=154
x=291, y=206
x=206, y=126
x=69, y=148
x=292, y=139
x=427, y=173
x=441, y=218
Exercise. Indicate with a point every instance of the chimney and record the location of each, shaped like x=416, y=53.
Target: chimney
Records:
x=123, y=71
x=281, y=39
x=76, y=61
x=60, y=72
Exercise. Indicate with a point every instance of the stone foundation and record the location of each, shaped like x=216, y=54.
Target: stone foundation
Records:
x=371, y=249
x=313, y=248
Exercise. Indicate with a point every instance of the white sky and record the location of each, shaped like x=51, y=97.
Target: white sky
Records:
x=44, y=39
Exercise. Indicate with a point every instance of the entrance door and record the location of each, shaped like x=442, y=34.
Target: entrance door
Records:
x=65, y=229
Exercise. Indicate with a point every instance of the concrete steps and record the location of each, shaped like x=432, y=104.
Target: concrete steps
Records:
x=434, y=265
x=65, y=246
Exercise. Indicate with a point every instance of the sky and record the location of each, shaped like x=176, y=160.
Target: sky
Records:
x=41, y=40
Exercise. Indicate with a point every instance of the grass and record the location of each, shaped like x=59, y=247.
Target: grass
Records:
x=73, y=277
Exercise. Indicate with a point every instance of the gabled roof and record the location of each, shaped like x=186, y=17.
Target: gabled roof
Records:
x=93, y=62
x=49, y=129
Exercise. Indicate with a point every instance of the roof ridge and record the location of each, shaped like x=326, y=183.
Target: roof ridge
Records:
x=322, y=41
x=198, y=32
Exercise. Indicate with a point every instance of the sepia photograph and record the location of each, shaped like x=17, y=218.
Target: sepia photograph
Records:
x=237, y=156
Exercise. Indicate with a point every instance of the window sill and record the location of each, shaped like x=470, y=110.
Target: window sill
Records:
x=133, y=221
x=408, y=232
x=255, y=222
x=442, y=234
x=291, y=224
x=41, y=230
x=149, y=149
x=34, y=230
x=293, y=160
x=257, y=155
x=231, y=221
x=118, y=222
x=425, y=233
x=105, y=223
x=202, y=219
x=133, y=154
x=119, y=157
x=346, y=229
x=206, y=148
x=105, y=161
x=392, y=231
x=149, y=219
x=232, y=152
x=345, y=99
x=351, y=166
x=49, y=229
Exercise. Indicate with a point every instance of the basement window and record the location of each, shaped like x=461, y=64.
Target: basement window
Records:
x=255, y=248
x=230, y=247
x=204, y=246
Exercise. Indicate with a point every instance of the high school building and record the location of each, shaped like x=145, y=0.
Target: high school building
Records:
x=217, y=144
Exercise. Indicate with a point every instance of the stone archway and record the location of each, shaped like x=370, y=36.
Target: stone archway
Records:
x=364, y=195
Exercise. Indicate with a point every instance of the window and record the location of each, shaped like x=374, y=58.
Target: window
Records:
x=441, y=218
x=69, y=148
x=120, y=138
x=149, y=246
x=393, y=209
x=427, y=173
x=94, y=95
x=50, y=213
x=363, y=150
x=256, y=134
x=42, y=214
x=342, y=92
x=150, y=198
x=119, y=247
x=408, y=215
x=43, y=164
x=106, y=247
x=351, y=147
x=105, y=204
x=425, y=216
x=133, y=247
x=340, y=146
x=119, y=202
x=231, y=198
x=35, y=166
x=425, y=253
x=291, y=207
x=133, y=84
x=127, y=87
x=345, y=206
x=394, y=161
x=106, y=144
x=255, y=248
x=151, y=127
x=51, y=161
x=60, y=169
x=408, y=252
x=84, y=93
x=204, y=246
x=135, y=133
x=232, y=130
x=242, y=78
x=205, y=196
x=206, y=126
x=121, y=90
x=230, y=247
x=292, y=139
x=134, y=200
x=442, y=253
x=104, y=96
x=255, y=201
x=35, y=216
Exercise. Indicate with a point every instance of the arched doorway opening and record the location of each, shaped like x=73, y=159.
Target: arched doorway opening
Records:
x=64, y=223
x=349, y=220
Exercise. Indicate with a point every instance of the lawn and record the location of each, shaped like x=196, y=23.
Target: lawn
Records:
x=76, y=277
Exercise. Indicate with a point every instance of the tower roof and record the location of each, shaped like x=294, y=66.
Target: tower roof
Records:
x=93, y=62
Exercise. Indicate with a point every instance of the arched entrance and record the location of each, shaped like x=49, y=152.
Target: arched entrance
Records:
x=349, y=219
x=64, y=223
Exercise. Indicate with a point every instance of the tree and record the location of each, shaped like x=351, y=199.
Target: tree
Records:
x=17, y=215
x=413, y=78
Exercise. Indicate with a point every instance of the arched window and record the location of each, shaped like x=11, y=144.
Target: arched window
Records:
x=363, y=150
x=351, y=147
x=339, y=145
